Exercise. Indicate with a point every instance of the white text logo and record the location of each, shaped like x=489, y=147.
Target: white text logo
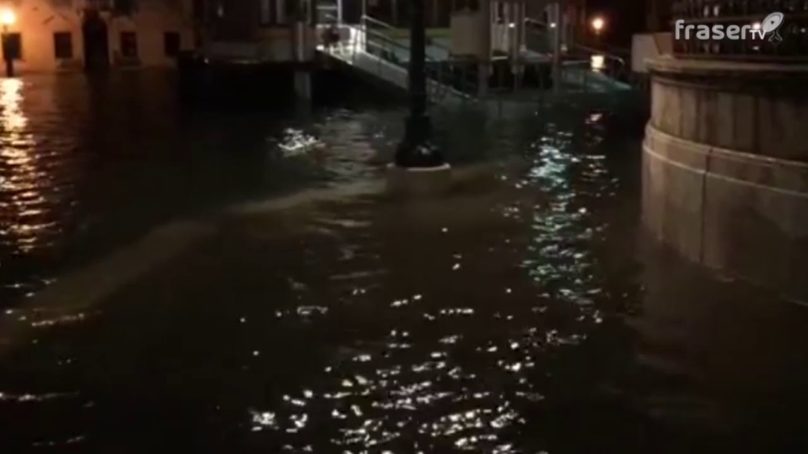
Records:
x=768, y=28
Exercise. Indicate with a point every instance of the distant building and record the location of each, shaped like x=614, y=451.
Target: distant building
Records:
x=285, y=31
x=258, y=30
x=57, y=35
x=279, y=31
x=725, y=160
x=439, y=12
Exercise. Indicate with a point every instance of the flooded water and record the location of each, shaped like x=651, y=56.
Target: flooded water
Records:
x=242, y=282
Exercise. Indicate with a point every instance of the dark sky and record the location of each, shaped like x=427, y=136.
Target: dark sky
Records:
x=625, y=17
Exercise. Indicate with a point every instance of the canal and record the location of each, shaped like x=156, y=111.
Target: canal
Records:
x=193, y=280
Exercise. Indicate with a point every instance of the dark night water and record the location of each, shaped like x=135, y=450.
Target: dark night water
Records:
x=525, y=311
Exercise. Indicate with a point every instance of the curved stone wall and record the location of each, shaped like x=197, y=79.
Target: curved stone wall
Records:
x=725, y=167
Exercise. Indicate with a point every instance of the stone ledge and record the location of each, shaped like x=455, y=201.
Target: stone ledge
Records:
x=722, y=68
x=767, y=119
x=743, y=213
x=745, y=168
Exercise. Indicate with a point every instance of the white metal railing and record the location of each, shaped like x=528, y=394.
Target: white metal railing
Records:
x=374, y=50
x=376, y=47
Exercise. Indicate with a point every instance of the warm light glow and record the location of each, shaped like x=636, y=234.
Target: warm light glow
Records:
x=598, y=62
x=8, y=17
x=598, y=24
x=25, y=211
x=756, y=26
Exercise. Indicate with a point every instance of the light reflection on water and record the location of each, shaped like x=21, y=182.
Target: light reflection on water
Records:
x=465, y=357
x=27, y=189
x=518, y=314
x=87, y=165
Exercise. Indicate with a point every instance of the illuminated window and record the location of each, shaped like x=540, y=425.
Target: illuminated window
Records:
x=63, y=45
x=129, y=44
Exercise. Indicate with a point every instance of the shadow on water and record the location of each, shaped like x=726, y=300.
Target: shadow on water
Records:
x=523, y=312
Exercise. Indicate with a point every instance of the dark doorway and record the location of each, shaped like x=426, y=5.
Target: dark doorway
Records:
x=96, y=42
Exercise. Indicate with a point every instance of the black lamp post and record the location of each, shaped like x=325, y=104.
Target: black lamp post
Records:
x=416, y=150
x=598, y=24
x=7, y=55
x=8, y=18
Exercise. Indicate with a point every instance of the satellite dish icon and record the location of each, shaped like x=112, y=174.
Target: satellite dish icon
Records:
x=770, y=24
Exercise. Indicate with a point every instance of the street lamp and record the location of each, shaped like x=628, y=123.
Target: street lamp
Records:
x=598, y=24
x=416, y=151
x=8, y=18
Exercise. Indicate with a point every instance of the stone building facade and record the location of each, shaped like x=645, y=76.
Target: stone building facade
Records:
x=65, y=35
x=269, y=31
x=725, y=161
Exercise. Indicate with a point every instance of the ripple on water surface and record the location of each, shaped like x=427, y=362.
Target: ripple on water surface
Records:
x=368, y=323
x=89, y=164
x=490, y=319
x=37, y=169
x=445, y=318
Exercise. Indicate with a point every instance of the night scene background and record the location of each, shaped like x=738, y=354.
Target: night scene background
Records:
x=286, y=226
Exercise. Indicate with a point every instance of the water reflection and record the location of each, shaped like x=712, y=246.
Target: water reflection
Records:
x=464, y=358
x=26, y=211
x=512, y=316
x=561, y=258
x=37, y=166
x=88, y=165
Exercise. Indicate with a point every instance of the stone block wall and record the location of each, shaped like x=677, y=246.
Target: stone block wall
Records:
x=725, y=168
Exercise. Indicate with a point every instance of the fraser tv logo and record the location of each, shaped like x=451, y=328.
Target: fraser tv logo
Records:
x=767, y=29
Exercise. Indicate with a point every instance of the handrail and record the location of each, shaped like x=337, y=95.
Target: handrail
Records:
x=385, y=38
x=595, y=50
x=384, y=47
x=606, y=55
x=445, y=74
x=366, y=18
x=388, y=26
x=395, y=43
x=592, y=50
x=438, y=78
x=530, y=20
x=619, y=63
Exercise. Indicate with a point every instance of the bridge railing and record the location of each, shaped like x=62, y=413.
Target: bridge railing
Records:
x=374, y=38
x=539, y=39
x=447, y=73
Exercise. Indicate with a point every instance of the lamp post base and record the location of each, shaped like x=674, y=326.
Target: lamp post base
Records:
x=419, y=181
x=416, y=150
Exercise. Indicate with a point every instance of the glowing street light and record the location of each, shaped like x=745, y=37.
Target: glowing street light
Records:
x=8, y=18
x=598, y=24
